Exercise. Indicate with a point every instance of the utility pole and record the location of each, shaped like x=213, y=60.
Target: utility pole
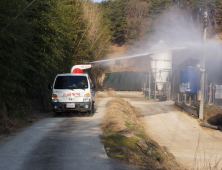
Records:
x=202, y=69
x=155, y=82
x=149, y=82
x=146, y=87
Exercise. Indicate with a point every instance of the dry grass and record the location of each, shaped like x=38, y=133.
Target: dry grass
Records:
x=104, y=94
x=11, y=125
x=208, y=161
x=123, y=133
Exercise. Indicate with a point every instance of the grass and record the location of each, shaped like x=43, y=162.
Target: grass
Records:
x=139, y=133
x=206, y=161
x=124, y=148
x=131, y=126
x=116, y=140
x=142, y=135
x=130, y=144
x=119, y=147
x=11, y=125
x=109, y=132
x=116, y=156
x=126, y=112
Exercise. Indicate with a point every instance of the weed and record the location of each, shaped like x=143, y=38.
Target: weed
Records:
x=126, y=112
x=172, y=155
x=205, y=160
x=116, y=156
x=120, y=141
x=131, y=126
x=142, y=135
x=109, y=132
x=127, y=124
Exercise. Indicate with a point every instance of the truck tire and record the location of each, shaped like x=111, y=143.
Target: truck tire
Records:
x=93, y=108
x=56, y=114
x=90, y=112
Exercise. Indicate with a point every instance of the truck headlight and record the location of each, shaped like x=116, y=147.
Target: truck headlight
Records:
x=86, y=98
x=55, y=100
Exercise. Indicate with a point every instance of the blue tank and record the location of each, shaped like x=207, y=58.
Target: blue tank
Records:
x=189, y=80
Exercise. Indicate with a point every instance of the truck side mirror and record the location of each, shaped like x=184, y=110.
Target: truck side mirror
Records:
x=50, y=86
x=93, y=86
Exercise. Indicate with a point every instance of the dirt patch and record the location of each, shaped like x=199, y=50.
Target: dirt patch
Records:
x=104, y=94
x=212, y=114
x=125, y=139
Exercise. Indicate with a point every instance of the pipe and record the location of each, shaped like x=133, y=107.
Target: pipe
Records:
x=190, y=99
x=213, y=94
x=178, y=97
x=211, y=126
x=142, y=88
x=185, y=98
x=188, y=109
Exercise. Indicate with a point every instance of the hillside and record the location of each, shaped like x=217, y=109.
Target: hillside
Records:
x=138, y=24
x=40, y=39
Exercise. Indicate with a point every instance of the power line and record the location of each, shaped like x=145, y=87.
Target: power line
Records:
x=18, y=16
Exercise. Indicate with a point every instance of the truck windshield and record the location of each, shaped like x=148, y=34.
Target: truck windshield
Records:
x=71, y=82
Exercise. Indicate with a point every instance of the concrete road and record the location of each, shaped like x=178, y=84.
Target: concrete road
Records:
x=179, y=133
x=59, y=144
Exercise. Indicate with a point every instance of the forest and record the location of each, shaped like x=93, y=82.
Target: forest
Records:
x=39, y=39
x=133, y=20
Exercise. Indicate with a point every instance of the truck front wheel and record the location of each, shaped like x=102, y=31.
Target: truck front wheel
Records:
x=92, y=110
x=56, y=114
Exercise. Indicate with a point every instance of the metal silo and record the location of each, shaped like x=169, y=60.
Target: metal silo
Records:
x=189, y=80
x=161, y=64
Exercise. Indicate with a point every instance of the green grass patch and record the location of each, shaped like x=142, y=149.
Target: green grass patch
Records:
x=120, y=141
x=126, y=112
x=120, y=145
x=109, y=132
x=127, y=124
x=142, y=135
x=131, y=126
x=116, y=156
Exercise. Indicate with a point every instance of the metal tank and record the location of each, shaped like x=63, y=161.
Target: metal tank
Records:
x=161, y=64
x=189, y=80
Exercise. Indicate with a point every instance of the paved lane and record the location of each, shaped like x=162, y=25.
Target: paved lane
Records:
x=59, y=144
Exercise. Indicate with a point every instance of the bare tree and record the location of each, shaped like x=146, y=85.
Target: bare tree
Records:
x=137, y=14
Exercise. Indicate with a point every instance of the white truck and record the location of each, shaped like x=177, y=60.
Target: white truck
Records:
x=73, y=91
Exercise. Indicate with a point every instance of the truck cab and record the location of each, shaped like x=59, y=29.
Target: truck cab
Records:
x=72, y=92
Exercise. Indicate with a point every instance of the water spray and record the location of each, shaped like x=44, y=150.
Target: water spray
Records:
x=139, y=55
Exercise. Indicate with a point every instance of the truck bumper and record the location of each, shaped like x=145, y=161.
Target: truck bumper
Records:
x=79, y=106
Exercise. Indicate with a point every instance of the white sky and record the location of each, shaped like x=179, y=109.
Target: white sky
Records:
x=96, y=0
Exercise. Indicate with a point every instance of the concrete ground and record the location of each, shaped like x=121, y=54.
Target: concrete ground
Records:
x=61, y=143
x=193, y=146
